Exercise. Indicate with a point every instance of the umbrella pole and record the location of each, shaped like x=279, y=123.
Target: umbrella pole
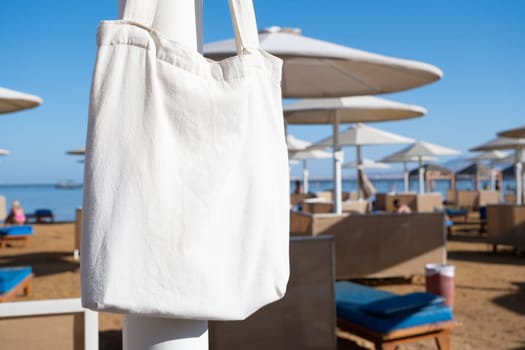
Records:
x=180, y=20
x=421, y=176
x=405, y=176
x=337, y=159
x=519, y=175
x=305, y=177
x=358, y=165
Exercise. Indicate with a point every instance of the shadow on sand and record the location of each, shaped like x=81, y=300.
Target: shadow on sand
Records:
x=43, y=264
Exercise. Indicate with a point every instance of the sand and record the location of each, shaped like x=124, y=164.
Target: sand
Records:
x=489, y=294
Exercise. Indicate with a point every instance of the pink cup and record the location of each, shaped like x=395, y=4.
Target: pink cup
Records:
x=439, y=280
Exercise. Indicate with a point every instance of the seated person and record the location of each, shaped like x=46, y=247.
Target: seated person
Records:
x=401, y=208
x=16, y=215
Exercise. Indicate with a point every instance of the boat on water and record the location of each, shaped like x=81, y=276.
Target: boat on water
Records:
x=68, y=184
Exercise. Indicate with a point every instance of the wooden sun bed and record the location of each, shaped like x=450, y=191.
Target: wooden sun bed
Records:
x=388, y=320
x=23, y=287
x=15, y=233
x=389, y=341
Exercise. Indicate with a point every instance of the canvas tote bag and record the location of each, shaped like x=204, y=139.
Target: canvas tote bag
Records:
x=186, y=189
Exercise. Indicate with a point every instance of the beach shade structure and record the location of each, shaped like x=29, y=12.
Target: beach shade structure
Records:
x=403, y=158
x=422, y=149
x=476, y=171
x=298, y=152
x=431, y=172
x=492, y=157
x=515, y=133
x=77, y=152
x=339, y=110
x=316, y=68
x=366, y=163
x=4, y=152
x=357, y=135
x=12, y=101
x=294, y=144
x=516, y=144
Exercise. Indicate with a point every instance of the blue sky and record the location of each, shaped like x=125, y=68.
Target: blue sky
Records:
x=48, y=49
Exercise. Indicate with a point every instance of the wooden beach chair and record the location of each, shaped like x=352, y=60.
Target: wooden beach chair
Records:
x=15, y=281
x=15, y=233
x=388, y=319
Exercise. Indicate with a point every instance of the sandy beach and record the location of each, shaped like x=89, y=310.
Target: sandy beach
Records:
x=489, y=295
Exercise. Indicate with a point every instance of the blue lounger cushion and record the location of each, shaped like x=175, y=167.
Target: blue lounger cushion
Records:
x=402, y=303
x=354, y=302
x=16, y=230
x=11, y=276
x=456, y=212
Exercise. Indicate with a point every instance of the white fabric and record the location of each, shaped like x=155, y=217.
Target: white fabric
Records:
x=186, y=190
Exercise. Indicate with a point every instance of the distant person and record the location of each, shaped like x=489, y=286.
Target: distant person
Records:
x=297, y=189
x=16, y=215
x=496, y=185
x=401, y=208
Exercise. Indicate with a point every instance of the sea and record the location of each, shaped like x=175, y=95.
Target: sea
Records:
x=63, y=202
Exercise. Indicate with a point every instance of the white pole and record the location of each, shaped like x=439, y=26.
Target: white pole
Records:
x=405, y=176
x=338, y=159
x=305, y=177
x=519, y=174
x=358, y=168
x=421, y=176
x=181, y=21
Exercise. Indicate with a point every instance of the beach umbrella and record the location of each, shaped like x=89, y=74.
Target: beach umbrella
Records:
x=12, y=101
x=366, y=164
x=316, y=68
x=358, y=135
x=477, y=170
x=4, y=152
x=402, y=158
x=77, y=152
x=298, y=152
x=516, y=144
x=294, y=144
x=346, y=110
x=516, y=133
x=491, y=156
x=419, y=150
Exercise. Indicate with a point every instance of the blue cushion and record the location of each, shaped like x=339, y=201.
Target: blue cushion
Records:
x=43, y=212
x=402, y=303
x=353, y=300
x=11, y=276
x=16, y=230
x=456, y=212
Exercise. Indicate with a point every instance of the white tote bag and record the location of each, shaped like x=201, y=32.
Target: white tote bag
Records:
x=186, y=190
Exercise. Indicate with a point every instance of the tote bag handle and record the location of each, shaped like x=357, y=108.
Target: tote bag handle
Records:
x=241, y=12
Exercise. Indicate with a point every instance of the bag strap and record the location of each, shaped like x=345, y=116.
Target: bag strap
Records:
x=241, y=11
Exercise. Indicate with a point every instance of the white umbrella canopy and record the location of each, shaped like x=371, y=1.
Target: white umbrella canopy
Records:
x=298, y=151
x=515, y=133
x=357, y=135
x=12, y=101
x=518, y=145
x=77, y=152
x=402, y=158
x=4, y=152
x=294, y=144
x=349, y=110
x=361, y=134
x=366, y=163
x=420, y=150
x=316, y=68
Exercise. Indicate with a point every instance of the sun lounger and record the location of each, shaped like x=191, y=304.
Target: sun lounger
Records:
x=15, y=233
x=388, y=319
x=14, y=281
x=42, y=215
